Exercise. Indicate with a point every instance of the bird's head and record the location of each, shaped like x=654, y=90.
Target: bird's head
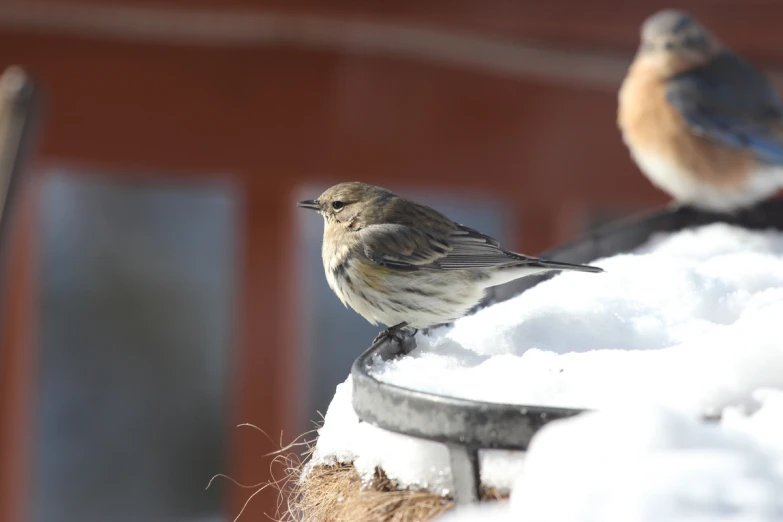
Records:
x=348, y=204
x=674, y=41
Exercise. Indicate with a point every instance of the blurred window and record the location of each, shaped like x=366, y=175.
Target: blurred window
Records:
x=137, y=291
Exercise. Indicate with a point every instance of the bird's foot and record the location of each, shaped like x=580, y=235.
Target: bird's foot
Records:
x=393, y=333
x=398, y=335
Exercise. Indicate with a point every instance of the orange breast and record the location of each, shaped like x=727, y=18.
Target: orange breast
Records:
x=651, y=125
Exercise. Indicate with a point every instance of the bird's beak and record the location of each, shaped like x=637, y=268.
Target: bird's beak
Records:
x=309, y=203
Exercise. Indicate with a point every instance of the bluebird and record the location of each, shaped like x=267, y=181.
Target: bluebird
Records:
x=406, y=265
x=702, y=123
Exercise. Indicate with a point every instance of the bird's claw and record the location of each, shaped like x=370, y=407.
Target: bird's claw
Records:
x=392, y=333
x=380, y=336
x=399, y=337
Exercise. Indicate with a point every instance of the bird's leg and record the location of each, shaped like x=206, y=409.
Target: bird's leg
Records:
x=401, y=339
x=393, y=333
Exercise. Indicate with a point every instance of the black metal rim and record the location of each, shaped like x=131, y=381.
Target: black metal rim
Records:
x=441, y=418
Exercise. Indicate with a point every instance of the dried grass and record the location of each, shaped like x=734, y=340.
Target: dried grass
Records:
x=336, y=493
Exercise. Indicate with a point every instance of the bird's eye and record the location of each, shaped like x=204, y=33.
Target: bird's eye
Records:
x=338, y=205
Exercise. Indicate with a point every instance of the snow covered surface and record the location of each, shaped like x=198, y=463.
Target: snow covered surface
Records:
x=411, y=462
x=650, y=465
x=688, y=324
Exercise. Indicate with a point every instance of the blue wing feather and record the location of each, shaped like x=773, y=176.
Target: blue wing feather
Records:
x=730, y=101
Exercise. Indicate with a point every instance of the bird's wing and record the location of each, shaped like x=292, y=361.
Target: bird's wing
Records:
x=730, y=101
x=472, y=249
x=404, y=247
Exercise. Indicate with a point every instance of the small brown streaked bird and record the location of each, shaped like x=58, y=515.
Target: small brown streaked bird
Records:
x=702, y=123
x=406, y=265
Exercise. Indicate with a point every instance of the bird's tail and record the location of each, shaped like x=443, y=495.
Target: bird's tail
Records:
x=558, y=265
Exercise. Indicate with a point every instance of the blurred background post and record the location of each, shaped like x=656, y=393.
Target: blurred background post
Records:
x=162, y=288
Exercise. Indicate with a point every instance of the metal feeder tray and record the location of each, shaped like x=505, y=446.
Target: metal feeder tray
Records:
x=467, y=426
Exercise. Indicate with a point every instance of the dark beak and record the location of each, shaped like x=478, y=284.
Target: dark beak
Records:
x=309, y=203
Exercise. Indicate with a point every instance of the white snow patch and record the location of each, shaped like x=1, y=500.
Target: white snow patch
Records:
x=686, y=325
x=414, y=463
x=650, y=465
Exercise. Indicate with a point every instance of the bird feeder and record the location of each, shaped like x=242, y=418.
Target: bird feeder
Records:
x=467, y=426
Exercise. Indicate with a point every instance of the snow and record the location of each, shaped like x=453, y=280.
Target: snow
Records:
x=650, y=465
x=686, y=325
x=416, y=463
x=412, y=462
x=688, y=310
